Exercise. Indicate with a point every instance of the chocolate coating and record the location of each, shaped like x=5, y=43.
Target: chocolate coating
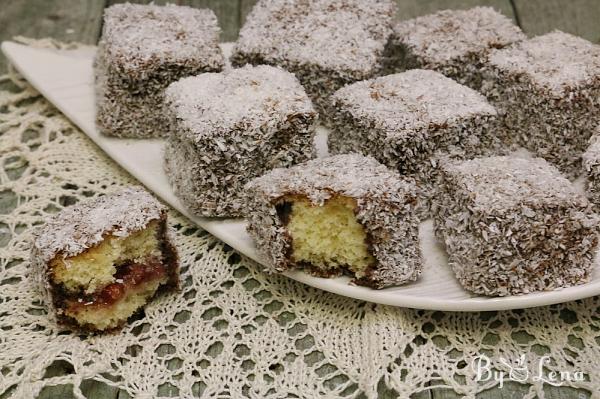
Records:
x=455, y=43
x=514, y=226
x=407, y=120
x=591, y=168
x=142, y=50
x=325, y=43
x=231, y=127
x=547, y=88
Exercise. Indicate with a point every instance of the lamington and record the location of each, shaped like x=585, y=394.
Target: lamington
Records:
x=407, y=120
x=100, y=261
x=514, y=226
x=342, y=214
x=230, y=127
x=326, y=43
x=547, y=88
x=455, y=43
x=591, y=167
x=142, y=50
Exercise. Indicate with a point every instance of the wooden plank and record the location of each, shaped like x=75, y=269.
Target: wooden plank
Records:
x=64, y=20
x=413, y=8
x=579, y=17
x=227, y=12
x=512, y=390
x=245, y=8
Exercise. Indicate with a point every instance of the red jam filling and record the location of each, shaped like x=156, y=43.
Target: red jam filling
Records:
x=127, y=277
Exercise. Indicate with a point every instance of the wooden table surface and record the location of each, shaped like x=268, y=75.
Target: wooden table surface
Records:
x=81, y=21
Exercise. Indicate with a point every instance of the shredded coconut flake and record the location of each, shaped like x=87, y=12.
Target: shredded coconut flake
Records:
x=77, y=228
x=334, y=34
x=450, y=34
x=212, y=103
x=557, y=61
x=404, y=102
x=137, y=35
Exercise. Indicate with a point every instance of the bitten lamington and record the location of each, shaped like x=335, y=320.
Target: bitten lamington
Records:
x=407, y=119
x=326, y=43
x=100, y=261
x=142, y=50
x=548, y=88
x=346, y=213
x=514, y=226
x=456, y=43
x=231, y=127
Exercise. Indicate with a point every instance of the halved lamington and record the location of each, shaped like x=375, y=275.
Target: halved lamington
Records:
x=142, y=50
x=230, y=127
x=102, y=260
x=456, y=43
x=325, y=43
x=547, y=89
x=342, y=214
x=407, y=120
x=591, y=167
x=514, y=226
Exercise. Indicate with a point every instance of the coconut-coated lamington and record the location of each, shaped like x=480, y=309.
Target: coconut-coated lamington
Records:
x=100, y=261
x=406, y=120
x=514, y=226
x=326, y=43
x=231, y=127
x=591, y=167
x=548, y=89
x=343, y=214
x=142, y=50
x=454, y=42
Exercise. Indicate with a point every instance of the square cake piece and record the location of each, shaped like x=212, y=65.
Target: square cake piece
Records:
x=231, y=127
x=455, y=43
x=514, y=226
x=326, y=43
x=342, y=214
x=548, y=89
x=591, y=166
x=407, y=119
x=142, y=50
x=100, y=261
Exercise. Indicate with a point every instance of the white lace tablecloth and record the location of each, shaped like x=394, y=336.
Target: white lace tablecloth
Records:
x=234, y=330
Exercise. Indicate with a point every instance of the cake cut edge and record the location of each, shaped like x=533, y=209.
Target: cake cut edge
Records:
x=74, y=307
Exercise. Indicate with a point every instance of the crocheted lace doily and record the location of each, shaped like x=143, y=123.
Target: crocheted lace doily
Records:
x=235, y=331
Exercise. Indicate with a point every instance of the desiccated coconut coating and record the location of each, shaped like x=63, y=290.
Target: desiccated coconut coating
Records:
x=591, y=166
x=326, y=43
x=405, y=120
x=385, y=205
x=72, y=244
x=230, y=127
x=513, y=226
x=453, y=42
x=78, y=228
x=142, y=50
x=548, y=89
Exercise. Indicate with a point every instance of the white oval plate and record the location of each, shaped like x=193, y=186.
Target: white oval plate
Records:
x=65, y=79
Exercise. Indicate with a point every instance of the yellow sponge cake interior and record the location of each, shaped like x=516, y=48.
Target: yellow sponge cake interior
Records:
x=327, y=237
x=96, y=267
